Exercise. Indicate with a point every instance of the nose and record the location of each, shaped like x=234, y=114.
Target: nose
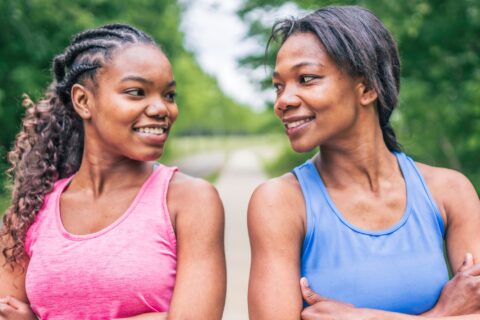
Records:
x=286, y=100
x=156, y=108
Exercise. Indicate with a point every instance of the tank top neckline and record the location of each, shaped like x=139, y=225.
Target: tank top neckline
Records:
x=342, y=218
x=114, y=224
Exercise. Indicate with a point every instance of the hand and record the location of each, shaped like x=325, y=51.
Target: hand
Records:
x=14, y=309
x=326, y=308
x=461, y=295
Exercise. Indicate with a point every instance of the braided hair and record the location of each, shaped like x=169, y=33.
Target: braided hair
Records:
x=360, y=45
x=49, y=146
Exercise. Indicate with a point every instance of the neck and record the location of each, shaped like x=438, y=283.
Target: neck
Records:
x=99, y=174
x=363, y=159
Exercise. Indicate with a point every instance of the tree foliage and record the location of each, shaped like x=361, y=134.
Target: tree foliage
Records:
x=438, y=119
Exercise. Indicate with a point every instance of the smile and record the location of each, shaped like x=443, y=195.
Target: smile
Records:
x=297, y=123
x=155, y=131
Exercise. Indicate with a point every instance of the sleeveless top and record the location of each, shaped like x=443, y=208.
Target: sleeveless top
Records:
x=400, y=269
x=125, y=269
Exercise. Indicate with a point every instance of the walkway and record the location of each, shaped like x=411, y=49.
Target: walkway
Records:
x=240, y=174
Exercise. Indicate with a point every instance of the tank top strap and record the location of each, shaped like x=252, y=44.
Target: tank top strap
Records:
x=313, y=190
x=156, y=194
x=417, y=190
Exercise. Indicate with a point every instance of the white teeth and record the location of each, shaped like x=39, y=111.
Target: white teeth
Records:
x=295, y=124
x=156, y=131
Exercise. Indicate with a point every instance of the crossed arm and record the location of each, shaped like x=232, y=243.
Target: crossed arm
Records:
x=276, y=234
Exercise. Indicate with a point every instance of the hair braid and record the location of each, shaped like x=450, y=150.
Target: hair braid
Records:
x=50, y=143
x=95, y=34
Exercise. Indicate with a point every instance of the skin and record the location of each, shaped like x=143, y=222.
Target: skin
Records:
x=133, y=92
x=362, y=177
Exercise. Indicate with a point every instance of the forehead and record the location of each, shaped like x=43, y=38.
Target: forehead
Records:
x=144, y=59
x=302, y=47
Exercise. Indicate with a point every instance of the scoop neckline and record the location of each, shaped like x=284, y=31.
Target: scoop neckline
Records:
x=342, y=218
x=79, y=237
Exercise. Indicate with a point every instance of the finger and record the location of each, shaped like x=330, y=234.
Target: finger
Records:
x=310, y=296
x=473, y=270
x=467, y=262
x=13, y=302
x=5, y=310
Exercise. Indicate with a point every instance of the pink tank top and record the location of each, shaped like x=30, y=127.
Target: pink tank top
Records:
x=126, y=269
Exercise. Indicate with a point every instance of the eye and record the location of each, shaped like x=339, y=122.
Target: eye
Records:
x=171, y=96
x=277, y=86
x=307, y=78
x=136, y=92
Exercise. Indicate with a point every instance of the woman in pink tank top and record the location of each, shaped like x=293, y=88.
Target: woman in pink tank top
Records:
x=97, y=229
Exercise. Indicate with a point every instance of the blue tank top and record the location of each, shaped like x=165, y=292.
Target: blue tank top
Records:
x=400, y=269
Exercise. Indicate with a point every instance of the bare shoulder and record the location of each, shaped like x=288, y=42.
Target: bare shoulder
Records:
x=188, y=187
x=277, y=204
x=444, y=178
x=185, y=189
x=278, y=192
x=446, y=182
x=451, y=189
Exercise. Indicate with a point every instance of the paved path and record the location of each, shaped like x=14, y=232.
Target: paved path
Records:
x=201, y=164
x=239, y=177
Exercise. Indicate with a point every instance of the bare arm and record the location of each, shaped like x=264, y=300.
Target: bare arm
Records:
x=13, y=298
x=460, y=206
x=276, y=233
x=201, y=273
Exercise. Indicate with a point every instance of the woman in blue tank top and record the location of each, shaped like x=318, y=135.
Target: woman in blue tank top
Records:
x=362, y=221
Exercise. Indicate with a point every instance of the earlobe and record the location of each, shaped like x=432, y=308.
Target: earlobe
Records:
x=368, y=95
x=81, y=100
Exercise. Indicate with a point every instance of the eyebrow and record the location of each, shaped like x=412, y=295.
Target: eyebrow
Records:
x=136, y=78
x=299, y=65
x=172, y=83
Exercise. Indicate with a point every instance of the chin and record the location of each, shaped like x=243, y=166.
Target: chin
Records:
x=151, y=156
x=302, y=147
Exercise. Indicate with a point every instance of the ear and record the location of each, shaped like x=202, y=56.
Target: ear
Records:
x=82, y=100
x=367, y=95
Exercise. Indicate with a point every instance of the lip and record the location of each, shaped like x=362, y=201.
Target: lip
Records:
x=153, y=139
x=295, y=131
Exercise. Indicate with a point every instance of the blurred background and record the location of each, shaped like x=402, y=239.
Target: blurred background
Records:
x=226, y=131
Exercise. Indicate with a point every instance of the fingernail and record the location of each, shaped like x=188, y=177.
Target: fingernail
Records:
x=305, y=282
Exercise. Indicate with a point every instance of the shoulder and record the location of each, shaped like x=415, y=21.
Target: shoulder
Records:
x=283, y=192
x=188, y=193
x=451, y=189
x=187, y=187
x=277, y=205
x=446, y=183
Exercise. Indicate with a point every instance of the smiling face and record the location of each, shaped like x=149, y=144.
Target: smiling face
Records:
x=317, y=102
x=131, y=110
